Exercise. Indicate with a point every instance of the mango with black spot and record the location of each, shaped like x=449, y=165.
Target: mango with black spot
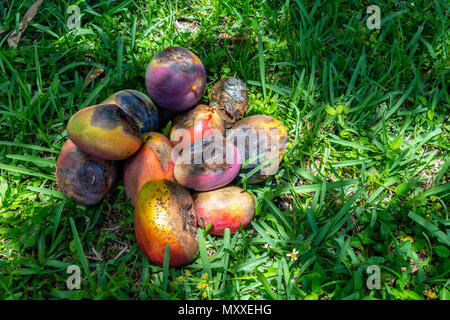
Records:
x=261, y=140
x=207, y=164
x=82, y=177
x=164, y=214
x=175, y=79
x=138, y=106
x=105, y=131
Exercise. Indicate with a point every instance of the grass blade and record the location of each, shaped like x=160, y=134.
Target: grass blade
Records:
x=80, y=251
x=204, y=253
x=265, y=283
x=261, y=64
x=430, y=227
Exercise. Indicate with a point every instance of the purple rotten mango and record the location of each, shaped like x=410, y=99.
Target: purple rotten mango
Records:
x=175, y=79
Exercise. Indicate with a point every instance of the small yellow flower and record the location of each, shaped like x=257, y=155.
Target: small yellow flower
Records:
x=180, y=279
x=173, y=283
x=187, y=273
x=205, y=294
x=408, y=238
x=205, y=276
x=202, y=284
x=431, y=294
x=293, y=254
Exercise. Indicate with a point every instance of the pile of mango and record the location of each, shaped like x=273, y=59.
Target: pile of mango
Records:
x=206, y=149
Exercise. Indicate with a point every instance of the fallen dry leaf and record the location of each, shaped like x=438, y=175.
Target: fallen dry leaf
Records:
x=97, y=71
x=14, y=38
x=187, y=25
x=230, y=37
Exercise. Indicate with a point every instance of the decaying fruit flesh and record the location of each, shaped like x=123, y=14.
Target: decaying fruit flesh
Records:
x=104, y=131
x=175, y=79
x=259, y=136
x=152, y=161
x=82, y=177
x=227, y=207
x=164, y=214
x=230, y=99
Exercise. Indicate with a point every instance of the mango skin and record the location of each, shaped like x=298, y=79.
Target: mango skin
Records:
x=196, y=169
x=164, y=213
x=265, y=134
x=152, y=161
x=230, y=98
x=82, y=177
x=104, y=131
x=138, y=106
x=225, y=208
x=175, y=79
x=202, y=121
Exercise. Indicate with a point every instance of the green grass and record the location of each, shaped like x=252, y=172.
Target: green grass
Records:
x=367, y=163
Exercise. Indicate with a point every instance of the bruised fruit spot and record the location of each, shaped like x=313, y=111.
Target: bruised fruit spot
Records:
x=189, y=222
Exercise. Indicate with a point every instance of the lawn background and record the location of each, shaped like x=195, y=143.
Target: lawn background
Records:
x=364, y=180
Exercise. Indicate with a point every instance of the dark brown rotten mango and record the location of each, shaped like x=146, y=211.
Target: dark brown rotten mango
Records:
x=138, y=106
x=82, y=177
x=230, y=98
x=260, y=139
x=228, y=207
x=175, y=79
x=105, y=131
x=164, y=214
